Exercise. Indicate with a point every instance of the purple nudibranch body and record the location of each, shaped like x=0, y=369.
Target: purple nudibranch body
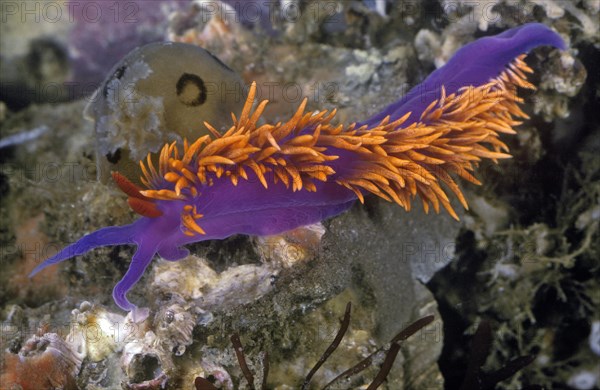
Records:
x=212, y=190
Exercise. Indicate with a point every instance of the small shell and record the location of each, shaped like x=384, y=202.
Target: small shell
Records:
x=221, y=376
x=173, y=325
x=97, y=332
x=290, y=248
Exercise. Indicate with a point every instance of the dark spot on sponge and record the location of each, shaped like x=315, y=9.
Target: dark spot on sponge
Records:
x=119, y=72
x=114, y=158
x=191, y=90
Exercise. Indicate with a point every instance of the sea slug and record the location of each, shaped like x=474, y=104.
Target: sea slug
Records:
x=266, y=179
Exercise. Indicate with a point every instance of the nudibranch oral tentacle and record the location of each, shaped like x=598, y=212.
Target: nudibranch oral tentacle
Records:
x=112, y=235
x=266, y=179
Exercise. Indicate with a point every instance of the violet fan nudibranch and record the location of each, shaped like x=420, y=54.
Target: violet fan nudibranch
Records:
x=267, y=179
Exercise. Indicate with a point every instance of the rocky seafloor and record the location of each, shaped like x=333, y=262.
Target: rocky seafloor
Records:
x=525, y=259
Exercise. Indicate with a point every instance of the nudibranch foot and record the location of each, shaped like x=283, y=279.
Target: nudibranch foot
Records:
x=139, y=262
x=173, y=253
x=271, y=178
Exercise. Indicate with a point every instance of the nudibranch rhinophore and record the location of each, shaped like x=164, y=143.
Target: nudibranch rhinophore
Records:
x=266, y=179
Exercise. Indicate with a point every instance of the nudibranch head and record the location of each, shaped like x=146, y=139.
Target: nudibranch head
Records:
x=264, y=179
x=159, y=93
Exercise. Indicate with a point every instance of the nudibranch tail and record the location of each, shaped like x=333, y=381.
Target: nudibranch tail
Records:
x=474, y=64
